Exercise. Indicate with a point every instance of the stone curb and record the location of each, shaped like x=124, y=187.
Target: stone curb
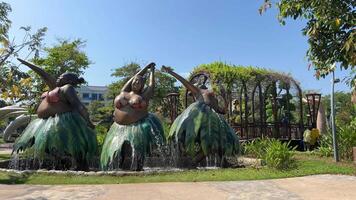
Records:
x=241, y=160
x=89, y=173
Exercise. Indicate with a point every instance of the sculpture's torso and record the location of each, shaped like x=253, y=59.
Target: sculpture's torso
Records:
x=209, y=98
x=129, y=108
x=52, y=103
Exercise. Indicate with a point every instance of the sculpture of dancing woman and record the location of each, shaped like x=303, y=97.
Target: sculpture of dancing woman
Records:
x=135, y=131
x=199, y=131
x=63, y=131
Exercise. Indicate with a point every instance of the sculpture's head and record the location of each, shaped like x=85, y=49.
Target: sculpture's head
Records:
x=69, y=78
x=137, y=84
x=200, y=86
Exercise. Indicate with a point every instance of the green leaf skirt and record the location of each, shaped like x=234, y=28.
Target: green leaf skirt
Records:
x=64, y=135
x=199, y=125
x=143, y=136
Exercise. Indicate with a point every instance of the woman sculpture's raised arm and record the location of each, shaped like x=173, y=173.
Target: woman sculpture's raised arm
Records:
x=135, y=129
x=201, y=94
x=201, y=124
x=148, y=93
x=194, y=90
x=142, y=72
x=49, y=80
x=63, y=130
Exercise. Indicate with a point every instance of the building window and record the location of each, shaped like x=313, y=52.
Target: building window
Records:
x=85, y=95
x=101, y=98
x=94, y=96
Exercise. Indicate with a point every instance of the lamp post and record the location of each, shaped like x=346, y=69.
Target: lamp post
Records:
x=332, y=115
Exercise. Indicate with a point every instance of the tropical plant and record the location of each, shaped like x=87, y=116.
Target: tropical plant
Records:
x=279, y=155
x=346, y=139
x=100, y=135
x=101, y=112
x=14, y=84
x=276, y=154
x=330, y=31
x=257, y=148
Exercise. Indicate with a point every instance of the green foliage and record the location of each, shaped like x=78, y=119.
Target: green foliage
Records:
x=14, y=84
x=5, y=24
x=330, y=31
x=100, y=135
x=164, y=85
x=257, y=148
x=306, y=165
x=230, y=74
x=279, y=155
x=233, y=77
x=5, y=156
x=166, y=127
x=276, y=154
x=345, y=110
x=284, y=108
x=101, y=112
x=2, y=122
x=102, y=115
x=65, y=56
x=123, y=73
x=346, y=139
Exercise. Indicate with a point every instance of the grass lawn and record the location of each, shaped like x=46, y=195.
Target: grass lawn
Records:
x=5, y=156
x=308, y=164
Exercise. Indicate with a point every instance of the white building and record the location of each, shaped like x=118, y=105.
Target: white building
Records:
x=88, y=94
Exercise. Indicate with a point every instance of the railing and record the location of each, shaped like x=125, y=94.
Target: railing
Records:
x=281, y=131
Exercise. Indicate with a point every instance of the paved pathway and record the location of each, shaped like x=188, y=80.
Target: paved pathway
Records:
x=6, y=148
x=311, y=187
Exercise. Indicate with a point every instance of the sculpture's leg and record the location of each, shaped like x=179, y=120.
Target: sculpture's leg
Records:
x=82, y=165
x=140, y=161
x=126, y=156
x=199, y=158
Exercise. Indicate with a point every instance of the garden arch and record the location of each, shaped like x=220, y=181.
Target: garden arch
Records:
x=260, y=102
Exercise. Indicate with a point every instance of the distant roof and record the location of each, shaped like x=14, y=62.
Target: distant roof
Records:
x=96, y=88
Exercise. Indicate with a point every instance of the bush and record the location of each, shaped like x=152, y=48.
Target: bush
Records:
x=100, y=135
x=346, y=139
x=256, y=148
x=279, y=155
x=276, y=154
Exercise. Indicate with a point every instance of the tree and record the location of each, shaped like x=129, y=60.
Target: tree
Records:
x=10, y=76
x=330, y=30
x=124, y=73
x=344, y=109
x=101, y=113
x=66, y=56
x=164, y=84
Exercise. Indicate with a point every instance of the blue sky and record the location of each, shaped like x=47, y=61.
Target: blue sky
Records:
x=178, y=33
